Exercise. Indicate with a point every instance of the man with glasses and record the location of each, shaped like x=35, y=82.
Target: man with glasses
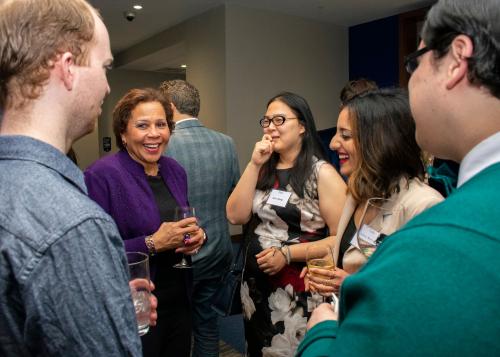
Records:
x=432, y=288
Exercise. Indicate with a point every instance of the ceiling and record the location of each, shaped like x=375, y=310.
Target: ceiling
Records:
x=159, y=15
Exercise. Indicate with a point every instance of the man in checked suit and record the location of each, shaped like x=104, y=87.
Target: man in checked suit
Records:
x=210, y=161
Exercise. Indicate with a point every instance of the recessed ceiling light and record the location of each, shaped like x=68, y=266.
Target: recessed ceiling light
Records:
x=183, y=65
x=137, y=7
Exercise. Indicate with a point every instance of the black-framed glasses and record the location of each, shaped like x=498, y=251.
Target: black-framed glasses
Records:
x=277, y=120
x=411, y=61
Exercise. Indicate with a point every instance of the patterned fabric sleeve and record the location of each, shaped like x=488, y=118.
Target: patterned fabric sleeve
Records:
x=104, y=322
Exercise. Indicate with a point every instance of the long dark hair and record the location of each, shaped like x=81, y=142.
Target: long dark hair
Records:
x=311, y=147
x=384, y=136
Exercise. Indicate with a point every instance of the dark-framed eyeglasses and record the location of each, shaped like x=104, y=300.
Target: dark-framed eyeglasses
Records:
x=277, y=120
x=411, y=61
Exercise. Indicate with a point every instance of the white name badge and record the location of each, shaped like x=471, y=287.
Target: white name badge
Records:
x=278, y=198
x=368, y=234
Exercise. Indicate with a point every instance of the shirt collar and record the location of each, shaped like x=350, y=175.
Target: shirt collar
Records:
x=484, y=154
x=19, y=147
x=182, y=120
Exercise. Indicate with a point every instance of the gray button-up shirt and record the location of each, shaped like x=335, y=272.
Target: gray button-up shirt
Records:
x=63, y=272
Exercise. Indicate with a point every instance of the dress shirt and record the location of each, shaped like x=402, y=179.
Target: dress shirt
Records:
x=63, y=272
x=484, y=154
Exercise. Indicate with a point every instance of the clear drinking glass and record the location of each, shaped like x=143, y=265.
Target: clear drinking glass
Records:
x=138, y=266
x=381, y=217
x=320, y=257
x=181, y=213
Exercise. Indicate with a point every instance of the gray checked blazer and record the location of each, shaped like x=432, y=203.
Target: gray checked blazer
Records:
x=211, y=163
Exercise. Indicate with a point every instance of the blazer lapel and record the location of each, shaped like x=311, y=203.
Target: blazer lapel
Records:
x=349, y=207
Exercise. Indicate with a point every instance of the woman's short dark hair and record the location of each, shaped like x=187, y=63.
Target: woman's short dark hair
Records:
x=384, y=136
x=311, y=147
x=479, y=21
x=123, y=109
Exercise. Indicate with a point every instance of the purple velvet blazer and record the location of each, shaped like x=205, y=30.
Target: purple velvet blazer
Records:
x=119, y=185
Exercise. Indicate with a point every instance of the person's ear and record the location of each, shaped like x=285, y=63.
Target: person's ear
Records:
x=65, y=62
x=461, y=48
x=302, y=129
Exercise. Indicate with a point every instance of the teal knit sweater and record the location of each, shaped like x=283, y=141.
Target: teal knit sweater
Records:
x=431, y=289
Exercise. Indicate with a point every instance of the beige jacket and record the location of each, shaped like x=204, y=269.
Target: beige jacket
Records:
x=415, y=198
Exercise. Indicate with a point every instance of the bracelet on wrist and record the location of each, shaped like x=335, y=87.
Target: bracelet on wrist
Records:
x=285, y=250
x=151, y=245
x=288, y=254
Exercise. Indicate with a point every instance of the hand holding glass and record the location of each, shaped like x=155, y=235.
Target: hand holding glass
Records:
x=380, y=218
x=138, y=266
x=181, y=213
x=319, y=257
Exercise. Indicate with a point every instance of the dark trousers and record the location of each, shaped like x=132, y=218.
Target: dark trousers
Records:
x=172, y=334
x=205, y=320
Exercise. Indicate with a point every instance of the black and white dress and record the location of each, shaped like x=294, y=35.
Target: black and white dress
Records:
x=275, y=307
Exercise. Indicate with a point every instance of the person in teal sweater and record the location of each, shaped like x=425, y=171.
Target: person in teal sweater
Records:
x=433, y=287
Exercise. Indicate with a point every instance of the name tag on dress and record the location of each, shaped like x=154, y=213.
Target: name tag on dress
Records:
x=278, y=198
x=368, y=234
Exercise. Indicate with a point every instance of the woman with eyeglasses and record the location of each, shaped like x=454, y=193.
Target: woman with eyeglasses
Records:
x=294, y=196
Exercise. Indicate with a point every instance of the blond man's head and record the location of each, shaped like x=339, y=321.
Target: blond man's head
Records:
x=32, y=34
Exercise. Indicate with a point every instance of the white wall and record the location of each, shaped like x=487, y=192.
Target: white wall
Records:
x=205, y=42
x=203, y=36
x=87, y=149
x=269, y=52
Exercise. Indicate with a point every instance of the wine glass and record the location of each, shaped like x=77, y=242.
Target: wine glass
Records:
x=319, y=256
x=381, y=217
x=181, y=213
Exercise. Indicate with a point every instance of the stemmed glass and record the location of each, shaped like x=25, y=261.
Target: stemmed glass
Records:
x=381, y=217
x=320, y=256
x=181, y=213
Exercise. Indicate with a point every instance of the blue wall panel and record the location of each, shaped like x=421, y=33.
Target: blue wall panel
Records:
x=374, y=51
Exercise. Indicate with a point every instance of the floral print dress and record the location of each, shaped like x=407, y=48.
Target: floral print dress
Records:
x=276, y=308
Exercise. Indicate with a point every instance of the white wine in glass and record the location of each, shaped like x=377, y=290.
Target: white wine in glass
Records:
x=181, y=213
x=381, y=217
x=319, y=257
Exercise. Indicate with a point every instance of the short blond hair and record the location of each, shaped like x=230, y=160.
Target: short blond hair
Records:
x=32, y=34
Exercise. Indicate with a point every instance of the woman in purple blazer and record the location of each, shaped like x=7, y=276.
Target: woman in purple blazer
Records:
x=140, y=189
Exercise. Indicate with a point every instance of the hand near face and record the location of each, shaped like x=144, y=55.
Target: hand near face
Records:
x=262, y=150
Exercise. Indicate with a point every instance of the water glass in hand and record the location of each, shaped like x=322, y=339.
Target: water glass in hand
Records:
x=138, y=266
